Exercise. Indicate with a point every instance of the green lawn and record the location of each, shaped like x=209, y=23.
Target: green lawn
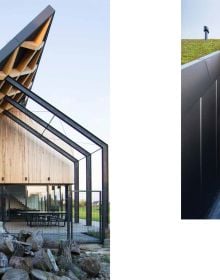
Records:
x=194, y=49
x=95, y=213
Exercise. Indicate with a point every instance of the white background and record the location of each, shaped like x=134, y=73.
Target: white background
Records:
x=149, y=240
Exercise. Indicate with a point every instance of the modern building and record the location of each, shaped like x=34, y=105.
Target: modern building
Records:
x=29, y=158
x=200, y=164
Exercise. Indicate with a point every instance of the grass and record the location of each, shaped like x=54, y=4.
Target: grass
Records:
x=95, y=213
x=194, y=49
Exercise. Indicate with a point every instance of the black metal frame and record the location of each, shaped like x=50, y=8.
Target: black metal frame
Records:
x=39, y=136
x=81, y=130
x=67, y=140
x=26, y=33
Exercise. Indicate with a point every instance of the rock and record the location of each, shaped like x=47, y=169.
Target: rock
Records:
x=16, y=274
x=105, y=271
x=65, y=258
x=75, y=248
x=6, y=245
x=3, y=260
x=36, y=240
x=37, y=274
x=51, y=244
x=61, y=261
x=42, y=261
x=21, y=263
x=4, y=269
x=41, y=275
x=71, y=275
x=55, y=268
x=91, y=266
x=19, y=250
x=23, y=235
x=28, y=253
x=77, y=271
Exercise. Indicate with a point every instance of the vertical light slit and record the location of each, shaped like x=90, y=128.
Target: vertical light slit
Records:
x=200, y=126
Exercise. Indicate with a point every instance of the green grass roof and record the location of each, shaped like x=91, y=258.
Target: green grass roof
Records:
x=194, y=49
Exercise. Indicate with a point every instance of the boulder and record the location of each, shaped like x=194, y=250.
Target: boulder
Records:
x=19, y=250
x=71, y=275
x=91, y=266
x=21, y=263
x=77, y=271
x=3, y=260
x=16, y=274
x=37, y=274
x=23, y=235
x=36, y=240
x=51, y=258
x=75, y=248
x=4, y=269
x=6, y=245
x=42, y=261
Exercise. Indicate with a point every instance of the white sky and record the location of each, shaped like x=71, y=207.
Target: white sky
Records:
x=74, y=69
x=196, y=14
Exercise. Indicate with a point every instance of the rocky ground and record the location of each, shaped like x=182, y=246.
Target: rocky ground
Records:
x=29, y=256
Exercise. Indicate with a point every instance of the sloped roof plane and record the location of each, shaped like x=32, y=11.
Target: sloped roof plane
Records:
x=20, y=58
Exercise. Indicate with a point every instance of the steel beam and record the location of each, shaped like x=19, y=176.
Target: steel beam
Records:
x=68, y=194
x=76, y=193
x=3, y=203
x=56, y=112
x=67, y=213
x=46, y=126
x=39, y=136
x=83, y=131
x=105, y=193
x=88, y=191
x=75, y=146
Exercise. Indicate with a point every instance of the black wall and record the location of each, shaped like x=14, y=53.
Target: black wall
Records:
x=200, y=137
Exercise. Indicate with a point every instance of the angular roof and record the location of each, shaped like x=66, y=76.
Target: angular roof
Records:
x=20, y=58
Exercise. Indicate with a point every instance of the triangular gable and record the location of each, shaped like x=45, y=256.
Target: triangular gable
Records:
x=20, y=58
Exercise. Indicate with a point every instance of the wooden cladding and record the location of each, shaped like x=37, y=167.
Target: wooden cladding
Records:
x=26, y=159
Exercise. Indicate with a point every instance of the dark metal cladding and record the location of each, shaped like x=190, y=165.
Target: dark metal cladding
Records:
x=26, y=32
x=213, y=65
x=209, y=151
x=200, y=138
x=195, y=81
